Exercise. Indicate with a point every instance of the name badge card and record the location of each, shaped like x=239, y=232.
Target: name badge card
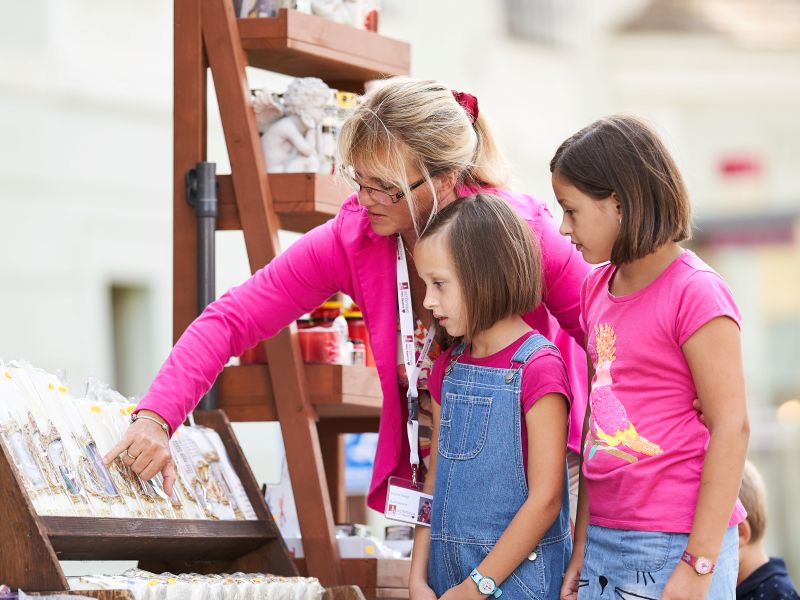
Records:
x=406, y=502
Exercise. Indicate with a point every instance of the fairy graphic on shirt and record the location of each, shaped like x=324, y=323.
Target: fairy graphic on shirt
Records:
x=611, y=428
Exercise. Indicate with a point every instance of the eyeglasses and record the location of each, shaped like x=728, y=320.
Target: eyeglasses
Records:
x=382, y=197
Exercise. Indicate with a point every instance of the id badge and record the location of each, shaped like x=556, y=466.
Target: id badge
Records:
x=406, y=502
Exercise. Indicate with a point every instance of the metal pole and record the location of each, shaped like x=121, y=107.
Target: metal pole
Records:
x=201, y=193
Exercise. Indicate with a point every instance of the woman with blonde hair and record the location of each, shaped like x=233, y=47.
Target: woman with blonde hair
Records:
x=409, y=149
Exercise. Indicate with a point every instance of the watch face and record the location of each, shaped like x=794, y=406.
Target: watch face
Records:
x=703, y=565
x=487, y=585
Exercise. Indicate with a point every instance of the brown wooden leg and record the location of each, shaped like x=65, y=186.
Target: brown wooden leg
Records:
x=189, y=147
x=332, y=446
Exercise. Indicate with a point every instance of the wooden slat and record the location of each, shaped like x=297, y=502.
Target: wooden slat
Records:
x=337, y=384
x=335, y=391
x=189, y=147
x=302, y=200
x=260, y=226
x=303, y=45
x=88, y=538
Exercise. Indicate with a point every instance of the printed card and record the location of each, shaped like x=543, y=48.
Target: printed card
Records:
x=406, y=502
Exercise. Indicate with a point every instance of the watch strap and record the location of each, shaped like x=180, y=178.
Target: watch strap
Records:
x=477, y=578
x=700, y=564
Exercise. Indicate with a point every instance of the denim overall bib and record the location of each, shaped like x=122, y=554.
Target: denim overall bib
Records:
x=481, y=481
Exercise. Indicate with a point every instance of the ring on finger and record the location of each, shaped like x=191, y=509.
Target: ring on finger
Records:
x=129, y=455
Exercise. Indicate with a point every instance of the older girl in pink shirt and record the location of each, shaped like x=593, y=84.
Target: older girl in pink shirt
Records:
x=662, y=329
x=411, y=147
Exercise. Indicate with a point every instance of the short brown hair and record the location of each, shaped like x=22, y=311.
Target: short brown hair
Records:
x=496, y=258
x=753, y=496
x=623, y=155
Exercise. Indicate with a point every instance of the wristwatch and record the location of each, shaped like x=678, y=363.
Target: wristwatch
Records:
x=701, y=564
x=486, y=585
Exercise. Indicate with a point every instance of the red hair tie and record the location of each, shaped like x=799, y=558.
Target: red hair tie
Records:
x=469, y=103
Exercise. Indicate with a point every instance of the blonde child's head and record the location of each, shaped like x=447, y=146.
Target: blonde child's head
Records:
x=753, y=496
x=480, y=263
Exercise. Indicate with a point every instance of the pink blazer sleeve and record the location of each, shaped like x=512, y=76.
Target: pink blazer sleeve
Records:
x=297, y=281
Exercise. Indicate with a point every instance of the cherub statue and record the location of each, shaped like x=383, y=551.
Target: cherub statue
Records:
x=291, y=138
x=340, y=11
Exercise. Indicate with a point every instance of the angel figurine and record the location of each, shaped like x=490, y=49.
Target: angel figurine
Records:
x=339, y=11
x=291, y=137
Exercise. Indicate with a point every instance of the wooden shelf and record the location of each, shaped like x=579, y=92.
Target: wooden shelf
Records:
x=32, y=545
x=301, y=200
x=336, y=391
x=86, y=538
x=304, y=45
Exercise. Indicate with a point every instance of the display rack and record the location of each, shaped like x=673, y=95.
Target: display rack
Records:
x=31, y=545
x=314, y=404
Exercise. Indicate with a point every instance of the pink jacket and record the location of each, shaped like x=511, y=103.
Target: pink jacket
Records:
x=345, y=255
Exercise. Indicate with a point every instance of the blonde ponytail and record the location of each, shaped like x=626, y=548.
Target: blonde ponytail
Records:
x=489, y=167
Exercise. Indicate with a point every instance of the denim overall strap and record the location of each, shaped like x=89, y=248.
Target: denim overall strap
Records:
x=458, y=350
x=481, y=481
x=530, y=347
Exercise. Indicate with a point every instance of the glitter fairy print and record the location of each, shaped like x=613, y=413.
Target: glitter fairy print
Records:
x=611, y=430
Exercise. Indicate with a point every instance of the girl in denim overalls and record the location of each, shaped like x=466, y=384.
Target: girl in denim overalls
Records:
x=500, y=522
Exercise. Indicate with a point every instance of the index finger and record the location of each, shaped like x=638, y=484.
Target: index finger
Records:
x=121, y=446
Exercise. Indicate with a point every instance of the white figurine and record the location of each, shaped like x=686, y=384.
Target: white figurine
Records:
x=339, y=11
x=291, y=141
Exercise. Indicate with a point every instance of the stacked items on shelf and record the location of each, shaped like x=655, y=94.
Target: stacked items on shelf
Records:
x=328, y=335
x=362, y=14
x=57, y=443
x=236, y=586
x=300, y=127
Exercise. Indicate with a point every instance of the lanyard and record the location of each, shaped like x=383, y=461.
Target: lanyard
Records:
x=413, y=365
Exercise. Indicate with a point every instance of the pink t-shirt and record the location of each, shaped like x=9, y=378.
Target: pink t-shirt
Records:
x=545, y=373
x=644, y=453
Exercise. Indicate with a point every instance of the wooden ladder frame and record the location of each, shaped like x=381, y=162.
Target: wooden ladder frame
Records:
x=207, y=35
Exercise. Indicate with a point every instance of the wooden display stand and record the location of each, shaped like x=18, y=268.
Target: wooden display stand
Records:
x=31, y=545
x=314, y=404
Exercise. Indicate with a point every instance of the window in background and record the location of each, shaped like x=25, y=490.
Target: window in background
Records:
x=132, y=338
